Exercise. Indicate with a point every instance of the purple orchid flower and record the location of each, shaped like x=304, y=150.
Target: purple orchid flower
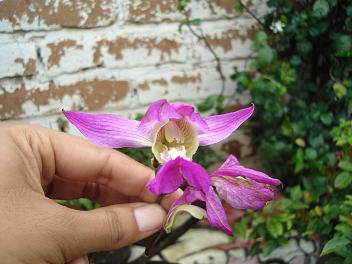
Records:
x=172, y=130
x=241, y=187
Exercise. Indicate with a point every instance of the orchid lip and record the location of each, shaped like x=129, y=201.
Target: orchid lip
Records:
x=177, y=138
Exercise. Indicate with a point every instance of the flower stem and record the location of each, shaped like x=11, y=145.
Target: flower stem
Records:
x=161, y=240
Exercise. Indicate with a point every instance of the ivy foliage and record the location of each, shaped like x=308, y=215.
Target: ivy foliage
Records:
x=300, y=82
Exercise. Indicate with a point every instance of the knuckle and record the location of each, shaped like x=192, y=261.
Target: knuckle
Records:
x=114, y=228
x=105, y=174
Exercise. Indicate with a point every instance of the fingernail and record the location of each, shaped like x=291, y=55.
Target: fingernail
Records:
x=81, y=260
x=149, y=217
x=86, y=260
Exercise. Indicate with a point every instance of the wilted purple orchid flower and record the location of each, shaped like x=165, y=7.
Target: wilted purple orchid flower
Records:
x=172, y=130
x=241, y=187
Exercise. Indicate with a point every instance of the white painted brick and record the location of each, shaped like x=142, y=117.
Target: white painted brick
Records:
x=89, y=90
x=134, y=46
x=80, y=91
x=229, y=39
x=185, y=82
x=151, y=11
x=138, y=46
x=17, y=59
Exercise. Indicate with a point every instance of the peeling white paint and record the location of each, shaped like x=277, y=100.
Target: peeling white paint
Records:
x=10, y=52
x=29, y=108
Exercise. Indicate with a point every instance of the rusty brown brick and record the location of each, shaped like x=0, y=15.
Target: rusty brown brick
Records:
x=58, y=50
x=116, y=46
x=147, y=10
x=28, y=66
x=144, y=11
x=56, y=13
x=95, y=94
x=185, y=79
x=225, y=39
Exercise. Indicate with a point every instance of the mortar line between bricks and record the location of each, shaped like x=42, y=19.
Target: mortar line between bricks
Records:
x=124, y=26
x=206, y=63
x=148, y=68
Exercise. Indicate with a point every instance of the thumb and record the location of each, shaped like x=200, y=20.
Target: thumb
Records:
x=111, y=227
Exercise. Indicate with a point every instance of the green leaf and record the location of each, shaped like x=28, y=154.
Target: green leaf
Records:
x=343, y=45
x=334, y=244
x=300, y=142
x=344, y=229
x=208, y=103
x=219, y=105
x=296, y=193
x=311, y=154
x=295, y=60
x=343, y=180
x=88, y=204
x=275, y=228
x=321, y=8
x=304, y=47
x=255, y=250
x=182, y=5
x=348, y=260
x=195, y=22
x=260, y=40
x=269, y=247
x=264, y=56
x=244, y=79
x=239, y=7
x=349, y=10
x=240, y=229
x=334, y=260
x=346, y=165
x=339, y=89
x=326, y=118
x=299, y=160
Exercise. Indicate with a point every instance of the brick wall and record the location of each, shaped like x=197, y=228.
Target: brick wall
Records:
x=113, y=56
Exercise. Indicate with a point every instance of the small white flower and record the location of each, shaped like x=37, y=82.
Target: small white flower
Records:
x=277, y=27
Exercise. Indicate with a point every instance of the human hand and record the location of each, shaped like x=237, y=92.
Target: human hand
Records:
x=37, y=164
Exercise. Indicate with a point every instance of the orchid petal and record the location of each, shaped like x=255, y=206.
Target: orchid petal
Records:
x=221, y=126
x=229, y=162
x=194, y=118
x=171, y=218
x=108, y=130
x=157, y=115
x=183, y=108
x=195, y=175
x=215, y=212
x=167, y=180
x=243, y=193
x=238, y=170
x=173, y=173
x=189, y=196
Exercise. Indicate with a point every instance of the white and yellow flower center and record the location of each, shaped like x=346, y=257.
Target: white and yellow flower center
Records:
x=177, y=138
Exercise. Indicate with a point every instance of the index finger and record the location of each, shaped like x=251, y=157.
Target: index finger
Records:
x=79, y=160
